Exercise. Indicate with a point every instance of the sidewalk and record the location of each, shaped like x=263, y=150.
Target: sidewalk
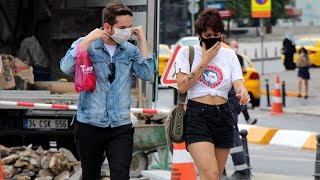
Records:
x=166, y=175
x=310, y=106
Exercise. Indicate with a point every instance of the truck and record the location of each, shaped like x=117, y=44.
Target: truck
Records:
x=55, y=25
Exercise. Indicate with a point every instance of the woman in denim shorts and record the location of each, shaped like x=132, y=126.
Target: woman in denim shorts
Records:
x=208, y=121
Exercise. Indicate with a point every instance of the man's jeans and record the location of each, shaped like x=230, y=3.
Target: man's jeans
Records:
x=92, y=142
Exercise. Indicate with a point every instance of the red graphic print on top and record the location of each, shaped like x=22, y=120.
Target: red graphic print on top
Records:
x=211, y=77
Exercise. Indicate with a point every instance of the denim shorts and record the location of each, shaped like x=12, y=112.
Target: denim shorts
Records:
x=209, y=123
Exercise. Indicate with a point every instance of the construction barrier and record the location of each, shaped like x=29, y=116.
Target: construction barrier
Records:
x=280, y=137
x=31, y=105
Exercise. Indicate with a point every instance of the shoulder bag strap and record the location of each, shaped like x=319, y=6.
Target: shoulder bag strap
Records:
x=191, y=57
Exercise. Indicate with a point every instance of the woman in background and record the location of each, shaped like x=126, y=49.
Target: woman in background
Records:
x=303, y=63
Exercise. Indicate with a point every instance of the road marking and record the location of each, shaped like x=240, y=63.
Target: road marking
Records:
x=280, y=158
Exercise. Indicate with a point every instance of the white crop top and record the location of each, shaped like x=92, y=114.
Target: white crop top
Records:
x=217, y=78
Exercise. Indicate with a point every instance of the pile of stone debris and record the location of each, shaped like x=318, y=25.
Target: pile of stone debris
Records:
x=23, y=163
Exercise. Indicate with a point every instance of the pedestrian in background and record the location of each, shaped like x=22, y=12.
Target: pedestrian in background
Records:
x=235, y=46
x=288, y=50
x=208, y=123
x=303, y=63
x=103, y=125
x=242, y=171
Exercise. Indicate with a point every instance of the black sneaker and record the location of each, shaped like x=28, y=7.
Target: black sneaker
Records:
x=241, y=175
x=252, y=121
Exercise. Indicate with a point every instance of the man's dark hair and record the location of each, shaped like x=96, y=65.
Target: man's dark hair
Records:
x=114, y=9
x=209, y=18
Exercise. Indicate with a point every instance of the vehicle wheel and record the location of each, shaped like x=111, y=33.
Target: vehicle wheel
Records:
x=139, y=162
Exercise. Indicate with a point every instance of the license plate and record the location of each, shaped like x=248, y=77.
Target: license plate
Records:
x=46, y=124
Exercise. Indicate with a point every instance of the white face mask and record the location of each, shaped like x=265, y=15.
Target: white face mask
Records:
x=121, y=35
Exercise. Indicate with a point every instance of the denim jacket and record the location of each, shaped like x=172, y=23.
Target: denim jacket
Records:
x=109, y=104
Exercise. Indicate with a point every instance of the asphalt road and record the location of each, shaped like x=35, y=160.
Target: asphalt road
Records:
x=272, y=160
x=288, y=121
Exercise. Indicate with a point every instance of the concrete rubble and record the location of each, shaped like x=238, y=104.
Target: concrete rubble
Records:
x=23, y=163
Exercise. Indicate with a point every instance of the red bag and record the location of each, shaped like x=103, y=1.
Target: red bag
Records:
x=85, y=79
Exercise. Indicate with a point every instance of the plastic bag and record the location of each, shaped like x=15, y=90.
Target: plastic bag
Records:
x=85, y=78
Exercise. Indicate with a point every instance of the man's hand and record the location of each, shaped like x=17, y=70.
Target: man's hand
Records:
x=92, y=36
x=142, y=42
x=139, y=33
x=244, y=97
x=208, y=55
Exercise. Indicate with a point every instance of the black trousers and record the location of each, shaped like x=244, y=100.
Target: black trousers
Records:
x=92, y=142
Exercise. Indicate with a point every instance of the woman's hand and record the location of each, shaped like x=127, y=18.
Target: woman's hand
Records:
x=244, y=97
x=208, y=55
x=242, y=92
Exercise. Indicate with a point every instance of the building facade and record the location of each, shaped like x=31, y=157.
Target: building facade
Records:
x=310, y=11
x=174, y=21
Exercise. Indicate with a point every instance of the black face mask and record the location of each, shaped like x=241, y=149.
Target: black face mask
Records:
x=209, y=42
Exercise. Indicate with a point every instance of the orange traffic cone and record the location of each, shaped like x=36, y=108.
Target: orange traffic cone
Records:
x=182, y=164
x=277, y=102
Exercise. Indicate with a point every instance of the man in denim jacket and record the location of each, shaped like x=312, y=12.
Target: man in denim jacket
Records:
x=103, y=118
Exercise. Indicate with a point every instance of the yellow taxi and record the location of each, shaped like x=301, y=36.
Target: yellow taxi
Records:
x=252, y=81
x=312, y=45
x=164, y=56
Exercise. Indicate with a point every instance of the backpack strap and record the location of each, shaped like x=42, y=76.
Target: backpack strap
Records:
x=191, y=57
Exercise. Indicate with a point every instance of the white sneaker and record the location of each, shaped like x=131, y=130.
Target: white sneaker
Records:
x=252, y=121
